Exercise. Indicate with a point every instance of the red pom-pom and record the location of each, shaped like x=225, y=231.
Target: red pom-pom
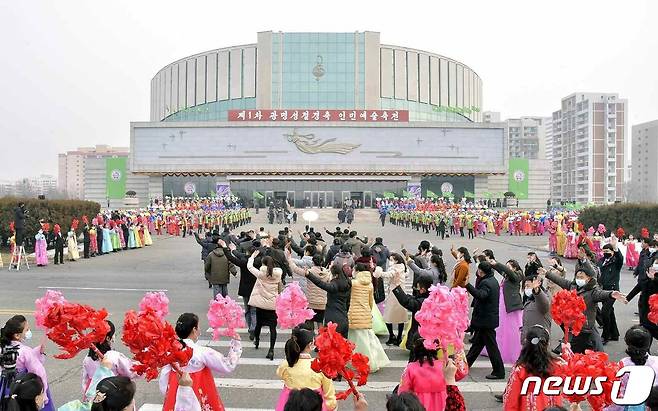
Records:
x=644, y=233
x=336, y=357
x=74, y=327
x=153, y=343
x=591, y=364
x=568, y=309
x=12, y=227
x=653, y=309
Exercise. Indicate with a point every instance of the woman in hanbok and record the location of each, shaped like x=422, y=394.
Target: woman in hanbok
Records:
x=510, y=311
x=138, y=240
x=597, y=239
x=148, y=240
x=93, y=239
x=141, y=234
x=132, y=243
x=394, y=313
x=572, y=245
x=119, y=230
x=490, y=225
x=204, y=362
x=40, y=249
x=72, y=245
x=121, y=365
x=297, y=374
x=107, y=242
x=561, y=240
x=362, y=301
x=15, y=333
x=552, y=238
x=114, y=236
x=424, y=378
x=632, y=255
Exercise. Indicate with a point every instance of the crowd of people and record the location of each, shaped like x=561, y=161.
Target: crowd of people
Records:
x=369, y=290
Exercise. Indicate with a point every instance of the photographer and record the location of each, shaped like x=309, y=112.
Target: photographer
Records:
x=18, y=358
x=20, y=214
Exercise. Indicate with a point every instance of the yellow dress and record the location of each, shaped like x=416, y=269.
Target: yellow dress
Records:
x=302, y=376
x=561, y=241
x=147, y=237
x=138, y=240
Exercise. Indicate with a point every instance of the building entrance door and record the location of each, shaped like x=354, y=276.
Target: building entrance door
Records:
x=323, y=199
x=345, y=196
x=357, y=198
x=367, y=199
x=291, y=198
x=329, y=199
x=269, y=198
x=315, y=199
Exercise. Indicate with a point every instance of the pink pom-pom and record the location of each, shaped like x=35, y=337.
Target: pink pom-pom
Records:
x=225, y=316
x=157, y=301
x=601, y=229
x=292, y=307
x=443, y=318
x=590, y=231
x=44, y=304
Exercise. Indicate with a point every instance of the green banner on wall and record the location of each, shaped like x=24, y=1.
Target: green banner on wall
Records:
x=518, y=177
x=115, y=169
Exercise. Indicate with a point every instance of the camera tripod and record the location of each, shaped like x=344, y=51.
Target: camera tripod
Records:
x=19, y=255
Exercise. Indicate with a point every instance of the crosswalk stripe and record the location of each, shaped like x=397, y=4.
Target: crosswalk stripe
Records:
x=393, y=364
x=158, y=407
x=375, y=386
x=264, y=345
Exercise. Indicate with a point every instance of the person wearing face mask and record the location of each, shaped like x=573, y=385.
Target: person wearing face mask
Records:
x=121, y=365
x=297, y=374
x=536, y=306
x=610, y=266
x=26, y=394
x=13, y=336
x=485, y=320
x=203, y=363
x=586, y=286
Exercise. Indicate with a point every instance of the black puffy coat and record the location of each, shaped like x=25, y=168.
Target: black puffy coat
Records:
x=485, y=302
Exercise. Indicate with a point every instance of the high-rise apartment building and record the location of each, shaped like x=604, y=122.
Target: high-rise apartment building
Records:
x=71, y=167
x=644, y=181
x=527, y=137
x=589, y=153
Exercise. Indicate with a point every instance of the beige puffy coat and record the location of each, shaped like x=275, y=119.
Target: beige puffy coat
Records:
x=361, y=302
x=266, y=288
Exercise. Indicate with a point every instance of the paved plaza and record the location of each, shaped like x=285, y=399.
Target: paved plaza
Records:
x=118, y=282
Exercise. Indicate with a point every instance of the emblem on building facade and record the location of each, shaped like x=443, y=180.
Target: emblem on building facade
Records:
x=309, y=144
x=318, y=70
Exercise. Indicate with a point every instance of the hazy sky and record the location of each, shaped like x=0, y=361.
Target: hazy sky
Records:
x=77, y=72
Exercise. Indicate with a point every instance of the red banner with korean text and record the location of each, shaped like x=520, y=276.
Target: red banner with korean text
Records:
x=376, y=116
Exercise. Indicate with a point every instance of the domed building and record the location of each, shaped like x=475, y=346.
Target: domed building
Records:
x=317, y=118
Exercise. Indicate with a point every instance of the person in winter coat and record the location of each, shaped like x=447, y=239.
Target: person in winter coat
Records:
x=610, y=266
x=485, y=320
x=58, y=239
x=345, y=257
x=317, y=297
x=360, y=319
x=510, y=308
x=332, y=251
x=247, y=282
x=207, y=245
x=434, y=272
x=218, y=271
x=647, y=289
x=263, y=297
x=536, y=306
x=356, y=244
x=338, y=297
x=460, y=271
x=586, y=286
x=413, y=303
x=394, y=313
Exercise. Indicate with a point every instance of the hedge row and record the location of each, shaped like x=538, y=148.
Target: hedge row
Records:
x=631, y=217
x=60, y=212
